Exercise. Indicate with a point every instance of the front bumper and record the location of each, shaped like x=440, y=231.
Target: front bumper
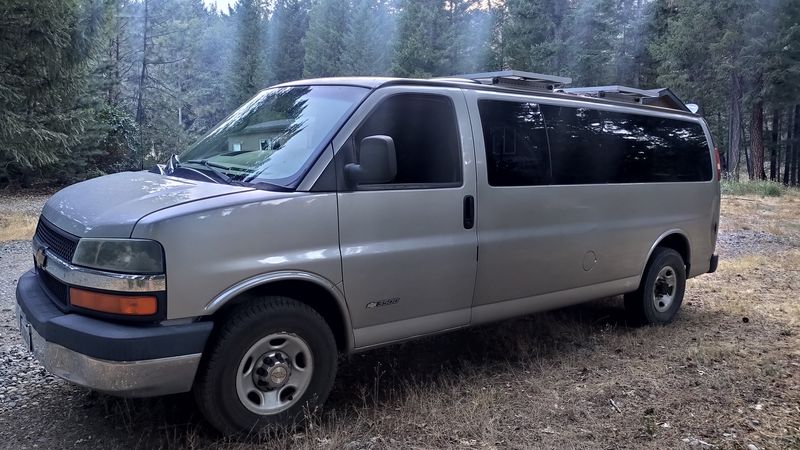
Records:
x=119, y=359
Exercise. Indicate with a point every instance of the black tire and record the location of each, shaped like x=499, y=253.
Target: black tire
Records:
x=643, y=306
x=215, y=387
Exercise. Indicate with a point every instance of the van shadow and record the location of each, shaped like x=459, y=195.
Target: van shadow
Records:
x=379, y=377
x=376, y=377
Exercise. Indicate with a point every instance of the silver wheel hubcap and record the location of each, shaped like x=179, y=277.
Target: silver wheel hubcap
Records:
x=274, y=373
x=664, y=289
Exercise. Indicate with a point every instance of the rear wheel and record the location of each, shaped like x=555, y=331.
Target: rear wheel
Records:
x=661, y=290
x=272, y=361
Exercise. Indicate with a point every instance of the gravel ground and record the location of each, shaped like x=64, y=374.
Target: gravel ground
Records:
x=38, y=410
x=23, y=203
x=735, y=244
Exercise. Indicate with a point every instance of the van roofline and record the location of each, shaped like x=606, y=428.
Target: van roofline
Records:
x=379, y=82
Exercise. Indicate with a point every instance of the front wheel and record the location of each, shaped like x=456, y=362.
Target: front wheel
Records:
x=660, y=292
x=273, y=360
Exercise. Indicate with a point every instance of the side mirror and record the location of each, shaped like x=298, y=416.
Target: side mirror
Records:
x=377, y=161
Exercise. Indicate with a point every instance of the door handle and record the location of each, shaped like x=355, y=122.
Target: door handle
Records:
x=469, y=212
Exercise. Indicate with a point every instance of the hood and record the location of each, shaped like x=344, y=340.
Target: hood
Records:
x=110, y=206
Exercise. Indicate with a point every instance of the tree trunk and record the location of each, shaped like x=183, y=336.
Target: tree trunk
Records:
x=774, y=155
x=757, y=141
x=747, y=160
x=749, y=164
x=723, y=157
x=143, y=73
x=796, y=147
x=787, y=161
x=735, y=137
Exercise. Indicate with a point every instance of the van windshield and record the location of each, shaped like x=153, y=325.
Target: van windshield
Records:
x=275, y=136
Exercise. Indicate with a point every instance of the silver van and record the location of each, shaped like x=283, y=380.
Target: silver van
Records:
x=331, y=216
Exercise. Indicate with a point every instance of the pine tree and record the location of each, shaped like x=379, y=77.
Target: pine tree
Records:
x=247, y=64
x=369, y=37
x=591, y=41
x=532, y=35
x=421, y=48
x=495, y=47
x=630, y=49
x=107, y=142
x=44, y=49
x=700, y=49
x=210, y=65
x=287, y=30
x=467, y=36
x=651, y=31
x=325, y=39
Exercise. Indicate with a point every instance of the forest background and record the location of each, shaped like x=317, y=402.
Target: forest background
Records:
x=89, y=87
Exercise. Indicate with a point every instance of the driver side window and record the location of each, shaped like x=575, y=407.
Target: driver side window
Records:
x=425, y=134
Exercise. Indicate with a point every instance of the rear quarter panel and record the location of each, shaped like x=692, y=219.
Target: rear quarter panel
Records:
x=539, y=235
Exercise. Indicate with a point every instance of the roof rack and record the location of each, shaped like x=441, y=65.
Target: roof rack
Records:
x=456, y=79
x=662, y=97
x=518, y=79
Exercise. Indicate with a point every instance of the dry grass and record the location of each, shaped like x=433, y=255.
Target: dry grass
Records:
x=17, y=226
x=19, y=213
x=779, y=216
x=726, y=373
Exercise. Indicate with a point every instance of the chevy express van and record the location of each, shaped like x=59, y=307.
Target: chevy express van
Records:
x=335, y=215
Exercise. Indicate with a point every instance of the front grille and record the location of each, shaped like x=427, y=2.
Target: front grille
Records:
x=59, y=242
x=58, y=290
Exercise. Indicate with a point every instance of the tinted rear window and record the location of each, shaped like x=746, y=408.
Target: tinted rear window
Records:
x=516, y=143
x=596, y=147
x=588, y=146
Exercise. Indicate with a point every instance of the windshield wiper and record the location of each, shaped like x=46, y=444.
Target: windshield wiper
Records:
x=211, y=167
x=227, y=179
x=172, y=163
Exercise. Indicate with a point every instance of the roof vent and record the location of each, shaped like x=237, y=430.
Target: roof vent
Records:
x=518, y=80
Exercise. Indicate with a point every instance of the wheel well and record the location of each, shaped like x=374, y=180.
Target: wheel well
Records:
x=312, y=294
x=678, y=243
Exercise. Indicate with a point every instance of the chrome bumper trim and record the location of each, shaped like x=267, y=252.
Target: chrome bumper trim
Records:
x=98, y=279
x=121, y=378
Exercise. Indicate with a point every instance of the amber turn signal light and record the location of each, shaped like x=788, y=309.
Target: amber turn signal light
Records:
x=128, y=305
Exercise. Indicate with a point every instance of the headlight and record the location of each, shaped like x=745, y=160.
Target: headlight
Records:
x=120, y=255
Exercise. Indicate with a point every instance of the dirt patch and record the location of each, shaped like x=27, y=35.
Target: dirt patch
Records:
x=16, y=227
x=725, y=374
x=779, y=216
x=18, y=215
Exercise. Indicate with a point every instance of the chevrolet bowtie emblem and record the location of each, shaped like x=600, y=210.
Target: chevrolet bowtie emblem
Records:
x=40, y=257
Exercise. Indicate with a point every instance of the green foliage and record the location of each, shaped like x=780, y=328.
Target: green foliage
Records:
x=287, y=29
x=421, y=48
x=95, y=86
x=761, y=188
x=368, y=38
x=590, y=45
x=325, y=40
x=247, y=57
x=44, y=48
x=533, y=35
